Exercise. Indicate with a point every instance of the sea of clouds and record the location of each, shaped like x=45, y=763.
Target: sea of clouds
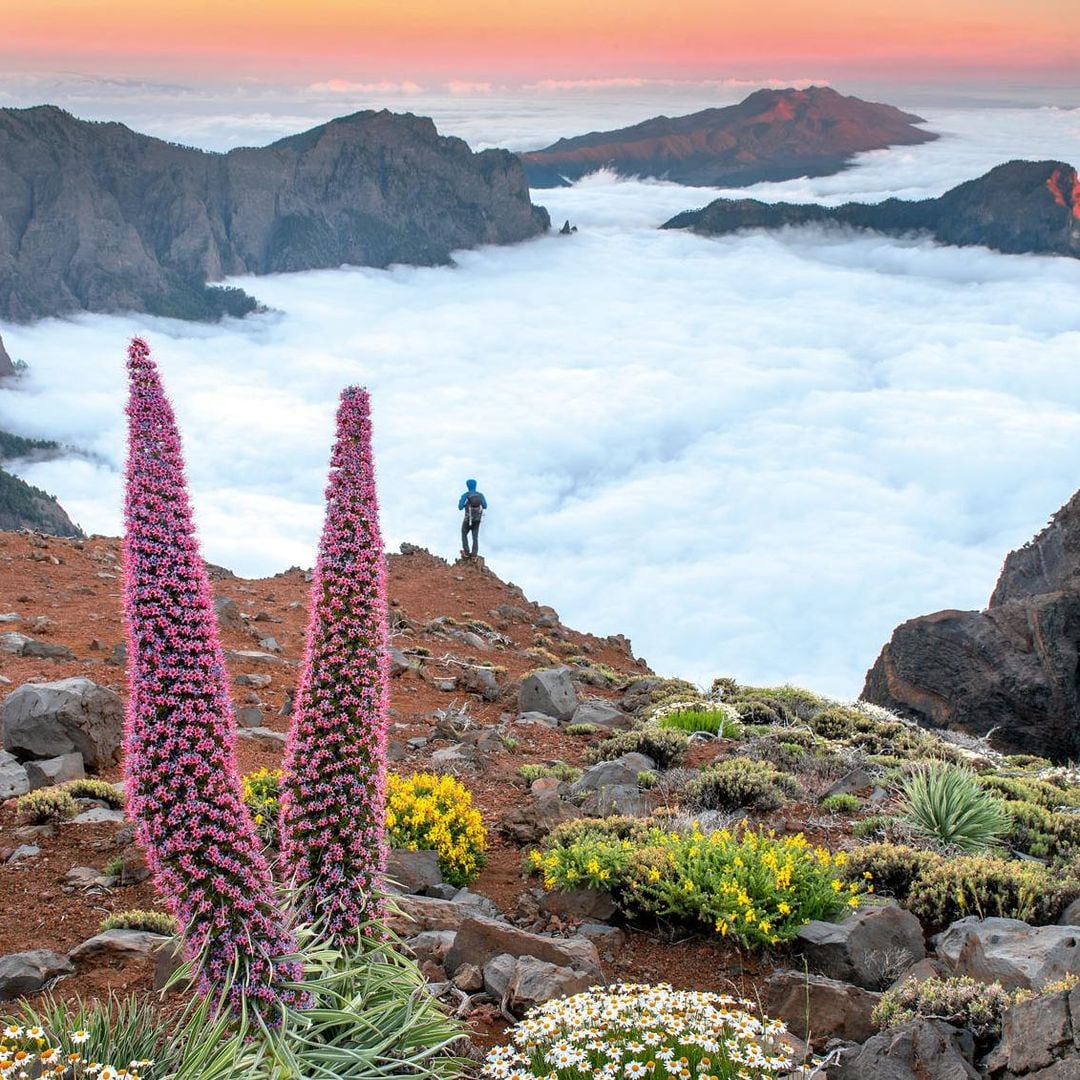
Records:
x=754, y=455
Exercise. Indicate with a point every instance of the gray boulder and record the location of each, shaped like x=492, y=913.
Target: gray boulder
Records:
x=431, y=945
x=536, y=981
x=57, y=770
x=497, y=973
x=45, y=720
x=481, y=681
x=868, y=948
x=479, y=939
x=622, y=771
x=818, y=1005
x=1040, y=1039
x=600, y=713
x=120, y=944
x=28, y=972
x=228, y=614
x=413, y=871
x=13, y=778
x=917, y=1050
x=1009, y=951
x=551, y=692
x=589, y=904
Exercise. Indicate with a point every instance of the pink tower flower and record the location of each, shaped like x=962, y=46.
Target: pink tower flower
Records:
x=334, y=781
x=183, y=788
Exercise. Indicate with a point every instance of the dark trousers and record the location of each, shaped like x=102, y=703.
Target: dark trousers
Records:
x=466, y=531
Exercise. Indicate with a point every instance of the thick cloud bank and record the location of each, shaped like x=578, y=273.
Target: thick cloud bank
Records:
x=754, y=455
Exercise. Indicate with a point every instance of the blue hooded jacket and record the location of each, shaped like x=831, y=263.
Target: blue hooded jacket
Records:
x=471, y=486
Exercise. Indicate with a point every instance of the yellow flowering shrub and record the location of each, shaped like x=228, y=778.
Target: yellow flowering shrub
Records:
x=428, y=812
x=754, y=885
x=260, y=792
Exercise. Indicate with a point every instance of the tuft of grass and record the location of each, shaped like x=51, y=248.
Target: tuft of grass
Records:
x=154, y=922
x=581, y=729
x=719, y=722
x=841, y=804
x=558, y=769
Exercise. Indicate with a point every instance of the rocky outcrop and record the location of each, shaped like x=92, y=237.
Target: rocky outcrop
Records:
x=7, y=368
x=23, y=506
x=771, y=135
x=1023, y=206
x=96, y=217
x=1013, y=669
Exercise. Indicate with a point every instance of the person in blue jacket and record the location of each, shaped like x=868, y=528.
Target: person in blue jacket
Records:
x=474, y=504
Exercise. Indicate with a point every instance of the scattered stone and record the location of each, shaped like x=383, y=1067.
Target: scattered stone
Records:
x=1009, y=951
x=44, y=720
x=857, y=780
x=431, y=945
x=259, y=682
x=622, y=771
x=99, y=815
x=536, y=981
x=415, y=914
x=413, y=871
x=481, y=681
x=918, y=1050
x=249, y=717
x=455, y=759
x=468, y=978
x=527, y=823
x=119, y=655
x=13, y=778
x=479, y=939
x=868, y=948
x=400, y=664
x=46, y=650
x=498, y=972
x=57, y=770
x=537, y=719
x=30, y=972
x=24, y=851
x=134, y=867
x=638, y=695
x=253, y=656
x=228, y=613
x=442, y=891
x=447, y=685
x=551, y=692
x=263, y=735
x=819, y=1005
x=120, y=944
x=600, y=713
x=270, y=644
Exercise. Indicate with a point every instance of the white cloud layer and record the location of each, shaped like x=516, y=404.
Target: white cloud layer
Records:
x=754, y=455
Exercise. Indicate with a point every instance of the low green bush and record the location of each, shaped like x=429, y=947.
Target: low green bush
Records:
x=841, y=804
x=45, y=806
x=665, y=747
x=647, y=779
x=581, y=729
x=892, y=868
x=558, y=770
x=102, y=790
x=976, y=885
x=721, y=722
x=154, y=922
x=1043, y=833
x=960, y=1001
x=946, y=803
x=740, y=782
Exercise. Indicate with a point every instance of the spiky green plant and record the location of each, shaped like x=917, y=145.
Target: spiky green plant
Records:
x=946, y=803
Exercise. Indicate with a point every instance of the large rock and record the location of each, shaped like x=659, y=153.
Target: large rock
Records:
x=228, y=613
x=119, y=943
x=1040, y=1039
x=478, y=940
x=821, y=1006
x=1014, y=668
x=28, y=972
x=57, y=770
x=917, y=1050
x=867, y=948
x=111, y=220
x=13, y=778
x=600, y=713
x=622, y=772
x=532, y=820
x=551, y=692
x=20, y=645
x=536, y=981
x=1009, y=951
x=45, y=720
x=413, y=871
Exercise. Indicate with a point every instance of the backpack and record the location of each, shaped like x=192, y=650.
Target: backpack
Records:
x=474, y=508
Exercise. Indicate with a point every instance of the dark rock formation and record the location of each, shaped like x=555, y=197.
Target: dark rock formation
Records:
x=1013, y=669
x=7, y=368
x=1023, y=206
x=772, y=135
x=23, y=506
x=97, y=217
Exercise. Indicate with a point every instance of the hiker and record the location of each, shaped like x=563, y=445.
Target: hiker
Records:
x=474, y=504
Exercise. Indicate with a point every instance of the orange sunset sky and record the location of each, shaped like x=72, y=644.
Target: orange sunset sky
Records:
x=521, y=40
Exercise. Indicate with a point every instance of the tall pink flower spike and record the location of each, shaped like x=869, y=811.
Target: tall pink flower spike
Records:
x=183, y=788
x=334, y=786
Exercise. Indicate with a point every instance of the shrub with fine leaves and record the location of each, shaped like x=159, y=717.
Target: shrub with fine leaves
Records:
x=947, y=804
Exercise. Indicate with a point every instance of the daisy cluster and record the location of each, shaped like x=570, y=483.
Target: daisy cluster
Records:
x=333, y=789
x=27, y=1052
x=183, y=789
x=642, y=1032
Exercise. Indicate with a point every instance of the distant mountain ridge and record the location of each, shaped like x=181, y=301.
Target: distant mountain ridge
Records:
x=23, y=506
x=1020, y=207
x=771, y=135
x=96, y=217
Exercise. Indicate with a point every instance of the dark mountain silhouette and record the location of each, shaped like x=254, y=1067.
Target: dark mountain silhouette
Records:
x=772, y=135
x=1023, y=206
x=7, y=368
x=23, y=506
x=96, y=217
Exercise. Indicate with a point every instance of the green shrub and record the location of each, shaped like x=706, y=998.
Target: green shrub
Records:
x=960, y=1001
x=946, y=803
x=1030, y=789
x=976, y=885
x=753, y=885
x=581, y=729
x=892, y=868
x=1028, y=761
x=647, y=779
x=154, y=922
x=876, y=826
x=1042, y=833
x=836, y=722
x=740, y=782
x=761, y=713
x=115, y=866
x=558, y=770
x=102, y=790
x=665, y=747
x=46, y=805
x=841, y=804
x=721, y=722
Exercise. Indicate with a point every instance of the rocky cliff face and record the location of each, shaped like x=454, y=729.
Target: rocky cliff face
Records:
x=97, y=217
x=1013, y=669
x=1023, y=206
x=7, y=368
x=772, y=135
